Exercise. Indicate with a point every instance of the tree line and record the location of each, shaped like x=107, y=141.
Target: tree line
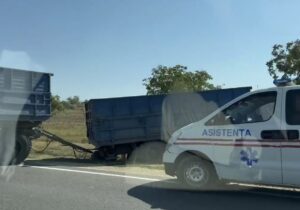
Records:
x=60, y=105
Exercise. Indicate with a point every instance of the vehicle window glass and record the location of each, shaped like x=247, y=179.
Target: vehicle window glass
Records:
x=293, y=107
x=255, y=108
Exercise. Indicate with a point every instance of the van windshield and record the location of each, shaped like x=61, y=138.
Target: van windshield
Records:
x=255, y=108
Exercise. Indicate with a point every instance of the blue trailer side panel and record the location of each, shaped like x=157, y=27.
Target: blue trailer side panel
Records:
x=24, y=95
x=138, y=119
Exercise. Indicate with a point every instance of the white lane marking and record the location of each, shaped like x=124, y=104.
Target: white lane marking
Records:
x=95, y=173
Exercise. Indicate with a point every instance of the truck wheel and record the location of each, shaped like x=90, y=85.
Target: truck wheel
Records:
x=22, y=149
x=196, y=173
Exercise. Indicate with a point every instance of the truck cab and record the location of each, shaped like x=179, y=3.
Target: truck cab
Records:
x=254, y=138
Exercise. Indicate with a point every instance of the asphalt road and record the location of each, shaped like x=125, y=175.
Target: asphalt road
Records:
x=73, y=188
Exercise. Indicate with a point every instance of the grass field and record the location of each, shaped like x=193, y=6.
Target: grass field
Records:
x=68, y=124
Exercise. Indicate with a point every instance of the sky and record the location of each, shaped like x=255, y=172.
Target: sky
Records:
x=105, y=48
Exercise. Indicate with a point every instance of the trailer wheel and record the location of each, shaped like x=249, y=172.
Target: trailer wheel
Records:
x=195, y=173
x=22, y=149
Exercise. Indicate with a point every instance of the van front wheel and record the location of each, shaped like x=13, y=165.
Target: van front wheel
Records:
x=196, y=173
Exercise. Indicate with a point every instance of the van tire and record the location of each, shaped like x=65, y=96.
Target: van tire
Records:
x=195, y=173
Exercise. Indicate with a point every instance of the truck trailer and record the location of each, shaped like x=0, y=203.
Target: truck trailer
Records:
x=25, y=102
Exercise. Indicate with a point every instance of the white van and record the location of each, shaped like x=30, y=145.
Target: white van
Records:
x=254, y=138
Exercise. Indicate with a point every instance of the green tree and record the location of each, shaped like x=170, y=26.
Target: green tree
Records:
x=75, y=100
x=56, y=103
x=164, y=80
x=67, y=105
x=72, y=102
x=60, y=105
x=285, y=61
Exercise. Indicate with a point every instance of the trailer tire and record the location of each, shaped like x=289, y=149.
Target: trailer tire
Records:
x=22, y=149
x=194, y=173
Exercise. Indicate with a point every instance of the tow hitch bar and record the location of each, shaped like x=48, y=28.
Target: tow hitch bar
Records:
x=41, y=132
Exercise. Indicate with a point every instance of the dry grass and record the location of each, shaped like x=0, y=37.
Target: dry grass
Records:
x=54, y=150
x=69, y=125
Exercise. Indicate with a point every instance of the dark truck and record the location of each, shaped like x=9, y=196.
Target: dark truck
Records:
x=140, y=126
x=25, y=102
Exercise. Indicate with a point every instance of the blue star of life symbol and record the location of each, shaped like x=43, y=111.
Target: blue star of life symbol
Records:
x=249, y=157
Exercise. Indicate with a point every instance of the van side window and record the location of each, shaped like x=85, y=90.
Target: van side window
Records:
x=292, y=109
x=258, y=107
